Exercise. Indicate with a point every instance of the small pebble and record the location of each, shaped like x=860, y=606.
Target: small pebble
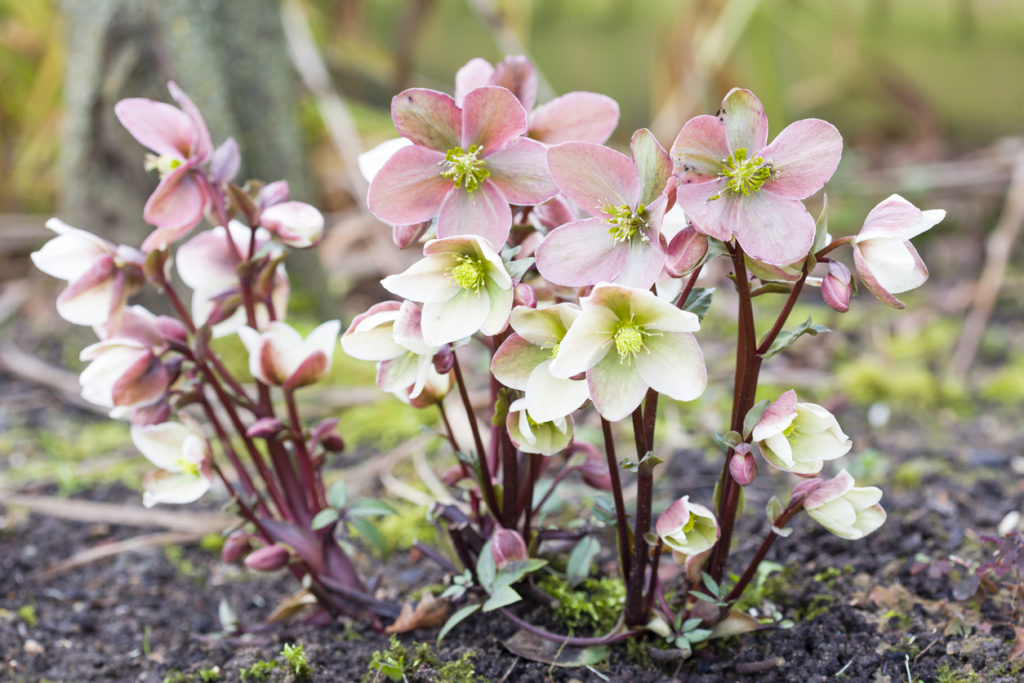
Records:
x=34, y=647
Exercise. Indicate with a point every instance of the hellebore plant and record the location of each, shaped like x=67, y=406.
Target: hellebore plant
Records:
x=546, y=252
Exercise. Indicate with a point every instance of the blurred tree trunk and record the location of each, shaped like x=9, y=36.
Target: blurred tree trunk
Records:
x=228, y=55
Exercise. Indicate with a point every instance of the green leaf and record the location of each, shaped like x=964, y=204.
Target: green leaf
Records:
x=503, y=596
x=821, y=226
x=650, y=460
x=516, y=269
x=455, y=619
x=485, y=569
x=698, y=301
x=604, y=510
x=727, y=441
x=773, y=509
x=513, y=572
x=710, y=584
x=337, y=495
x=324, y=518
x=370, y=533
x=788, y=337
x=580, y=558
x=368, y=507
x=754, y=416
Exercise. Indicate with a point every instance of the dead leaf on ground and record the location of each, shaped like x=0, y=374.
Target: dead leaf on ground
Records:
x=428, y=613
x=292, y=605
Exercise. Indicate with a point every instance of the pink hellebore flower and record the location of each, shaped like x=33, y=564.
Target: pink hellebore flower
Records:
x=279, y=356
x=687, y=528
x=181, y=454
x=465, y=167
x=531, y=435
x=370, y=163
x=628, y=340
x=581, y=116
x=848, y=511
x=885, y=259
x=100, y=276
x=294, y=224
x=463, y=286
x=732, y=185
x=626, y=199
x=799, y=437
x=837, y=286
x=182, y=143
x=523, y=361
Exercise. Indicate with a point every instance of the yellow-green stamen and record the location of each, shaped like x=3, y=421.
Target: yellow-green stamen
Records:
x=627, y=223
x=629, y=340
x=464, y=167
x=469, y=273
x=744, y=175
x=187, y=467
x=690, y=523
x=162, y=164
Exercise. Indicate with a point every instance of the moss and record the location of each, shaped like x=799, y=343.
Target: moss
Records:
x=399, y=662
x=594, y=605
x=407, y=525
x=1006, y=385
x=946, y=674
x=28, y=615
x=294, y=657
x=260, y=671
x=819, y=604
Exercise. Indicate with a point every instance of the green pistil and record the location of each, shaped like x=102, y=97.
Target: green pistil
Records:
x=465, y=167
x=744, y=175
x=626, y=223
x=187, y=467
x=690, y=523
x=629, y=340
x=469, y=273
x=162, y=164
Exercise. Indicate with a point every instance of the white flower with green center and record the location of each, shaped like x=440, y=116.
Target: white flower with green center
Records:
x=799, y=437
x=463, y=286
x=848, y=511
x=532, y=436
x=180, y=452
x=687, y=528
x=628, y=340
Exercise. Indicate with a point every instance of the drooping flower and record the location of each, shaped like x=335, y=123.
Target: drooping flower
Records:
x=294, y=224
x=580, y=116
x=848, y=511
x=732, y=184
x=626, y=199
x=531, y=435
x=463, y=286
x=279, y=356
x=523, y=361
x=799, y=437
x=508, y=546
x=100, y=275
x=627, y=340
x=687, y=528
x=465, y=166
x=885, y=259
x=182, y=143
x=181, y=454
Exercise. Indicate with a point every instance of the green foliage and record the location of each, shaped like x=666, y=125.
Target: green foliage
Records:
x=27, y=612
x=460, y=670
x=383, y=424
x=946, y=674
x=260, y=671
x=399, y=662
x=594, y=605
x=294, y=657
x=407, y=525
x=1006, y=384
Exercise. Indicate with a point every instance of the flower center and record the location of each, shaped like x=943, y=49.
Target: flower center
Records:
x=744, y=175
x=162, y=164
x=629, y=340
x=465, y=167
x=690, y=523
x=186, y=466
x=626, y=223
x=469, y=273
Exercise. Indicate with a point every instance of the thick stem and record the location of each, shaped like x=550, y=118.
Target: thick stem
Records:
x=621, y=523
x=635, y=613
x=510, y=479
x=652, y=587
x=481, y=455
x=305, y=463
x=243, y=475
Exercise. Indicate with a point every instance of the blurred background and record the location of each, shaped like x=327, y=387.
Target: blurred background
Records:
x=928, y=96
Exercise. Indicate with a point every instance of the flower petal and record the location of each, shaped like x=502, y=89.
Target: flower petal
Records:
x=772, y=229
x=549, y=398
x=520, y=171
x=804, y=156
x=370, y=336
x=894, y=264
x=177, y=202
x=427, y=280
x=161, y=127
x=776, y=417
x=698, y=150
x=483, y=212
x=594, y=176
x=616, y=388
x=581, y=253
x=745, y=123
x=455, y=319
x=644, y=264
x=896, y=218
x=427, y=117
x=575, y=116
x=652, y=163
x=587, y=341
x=71, y=253
x=409, y=188
x=500, y=298
x=371, y=161
x=516, y=74
x=201, y=144
x=515, y=359
x=544, y=326
x=473, y=74
x=491, y=118
x=672, y=364
x=162, y=444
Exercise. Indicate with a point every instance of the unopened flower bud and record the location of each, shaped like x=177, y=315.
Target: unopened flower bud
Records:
x=404, y=235
x=235, y=545
x=595, y=468
x=453, y=475
x=524, y=296
x=268, y=559
x=171, y=329
x=295, y=224
x=507, y=545
x=265, y=428
x=444, y=359
x=225, y=161
x=742, y=465
x=153, y=414
x=837, y=287
x=273, y=193
x=685, y=252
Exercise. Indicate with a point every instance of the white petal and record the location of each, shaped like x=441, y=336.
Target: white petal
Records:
x=672, y=364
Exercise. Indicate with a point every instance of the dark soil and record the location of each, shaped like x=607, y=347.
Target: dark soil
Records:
x=864, y=611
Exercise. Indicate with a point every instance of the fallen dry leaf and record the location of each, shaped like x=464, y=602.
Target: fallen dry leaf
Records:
x=428, y=613
x=292, y=605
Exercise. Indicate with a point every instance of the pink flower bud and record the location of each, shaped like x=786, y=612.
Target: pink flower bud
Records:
x=404, y=235
x=507, y=545
x=524, y=296
x=268, y=559
x=171, y=329
x=295, y=224
x=453, y=475
x=156, y=413
x=333, y=442
x=444, y=359
x=264, y=428
x=595, y=468
x=742, y=465
x=225, y=161
x=837, y=287
x=273, y=193
x=685, y=252
x=235, y=545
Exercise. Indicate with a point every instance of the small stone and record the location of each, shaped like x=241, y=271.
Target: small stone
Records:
x=34, y=647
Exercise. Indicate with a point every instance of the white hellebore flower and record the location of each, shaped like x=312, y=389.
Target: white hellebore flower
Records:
x=463, y=286
x=627, y=340
x=687, y=528
x=279, y=356
x=799, y=437
x=295, y=224
x=532, y=436
x=848, y=511
x=181, y=454
x=885, y=259
x=523, y=361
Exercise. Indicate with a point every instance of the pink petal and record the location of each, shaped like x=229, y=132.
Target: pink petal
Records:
x=771, y=229
x=474, y=74
x=520, y=171
x=491, y=118
x=615, y=388
x=575, y=116
x=409, y=188
x=829, y=490
x=428, y=118
x=142, y=382
x=709, y=217
x=594, y=176
x=516, y=74
x=804, y=155
x=776, y=417
x=484, y=212
x=88, y=300
x=746, y=126
x=643, y=266
x=177, y=201
x=652, y=163
x=896, y=218
x=672, y=364
x=161, y=127
x=515, y=359
x=581, y=253
x=699, y=149
x=201, y=144
x=673, y=519
x=310, y=370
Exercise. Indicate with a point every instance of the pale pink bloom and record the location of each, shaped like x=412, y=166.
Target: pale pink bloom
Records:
x=523, y=361
x=370, y=163
x=466, y=166
x=687, y=528
x=463, y=286
x=100, y=275
x=125, y=370
x=848, y=511
x=268, y=559
x=627, y=340
x=885, y=259
x=531, y=435
x=581, y=116
x=626, y=199
x=182, y=143
x=799, y=437
x=207, y=265
x=181, y=454
x=279, y=356
x=732, y=184
x=837, y=286
x=294, y=224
